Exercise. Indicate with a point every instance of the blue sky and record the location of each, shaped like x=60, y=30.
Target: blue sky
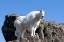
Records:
x=54, y=9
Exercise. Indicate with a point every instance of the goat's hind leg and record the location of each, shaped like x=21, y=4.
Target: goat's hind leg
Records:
x=22, y=34
x=18, y=36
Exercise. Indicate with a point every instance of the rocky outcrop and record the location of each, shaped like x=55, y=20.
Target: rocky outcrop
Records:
x=8, y=28
x=48, y=31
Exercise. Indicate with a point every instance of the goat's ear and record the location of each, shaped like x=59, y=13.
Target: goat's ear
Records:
x=41, y=10
x=44, y=10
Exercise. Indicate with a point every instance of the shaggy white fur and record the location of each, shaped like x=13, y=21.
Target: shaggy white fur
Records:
x=31, y=21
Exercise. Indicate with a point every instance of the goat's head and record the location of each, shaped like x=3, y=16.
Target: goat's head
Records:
x=42, y=12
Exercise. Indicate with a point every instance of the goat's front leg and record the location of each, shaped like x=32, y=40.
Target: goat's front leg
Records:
x=32, y=31
x=37, y=25
x=32, y=28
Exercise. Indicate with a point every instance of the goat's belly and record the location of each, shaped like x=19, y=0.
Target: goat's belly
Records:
x=25, y=25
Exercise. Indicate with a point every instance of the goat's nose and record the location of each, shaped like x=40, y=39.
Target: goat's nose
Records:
x=42, y=16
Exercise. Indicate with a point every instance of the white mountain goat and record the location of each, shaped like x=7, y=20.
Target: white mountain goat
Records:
x=29, y=22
